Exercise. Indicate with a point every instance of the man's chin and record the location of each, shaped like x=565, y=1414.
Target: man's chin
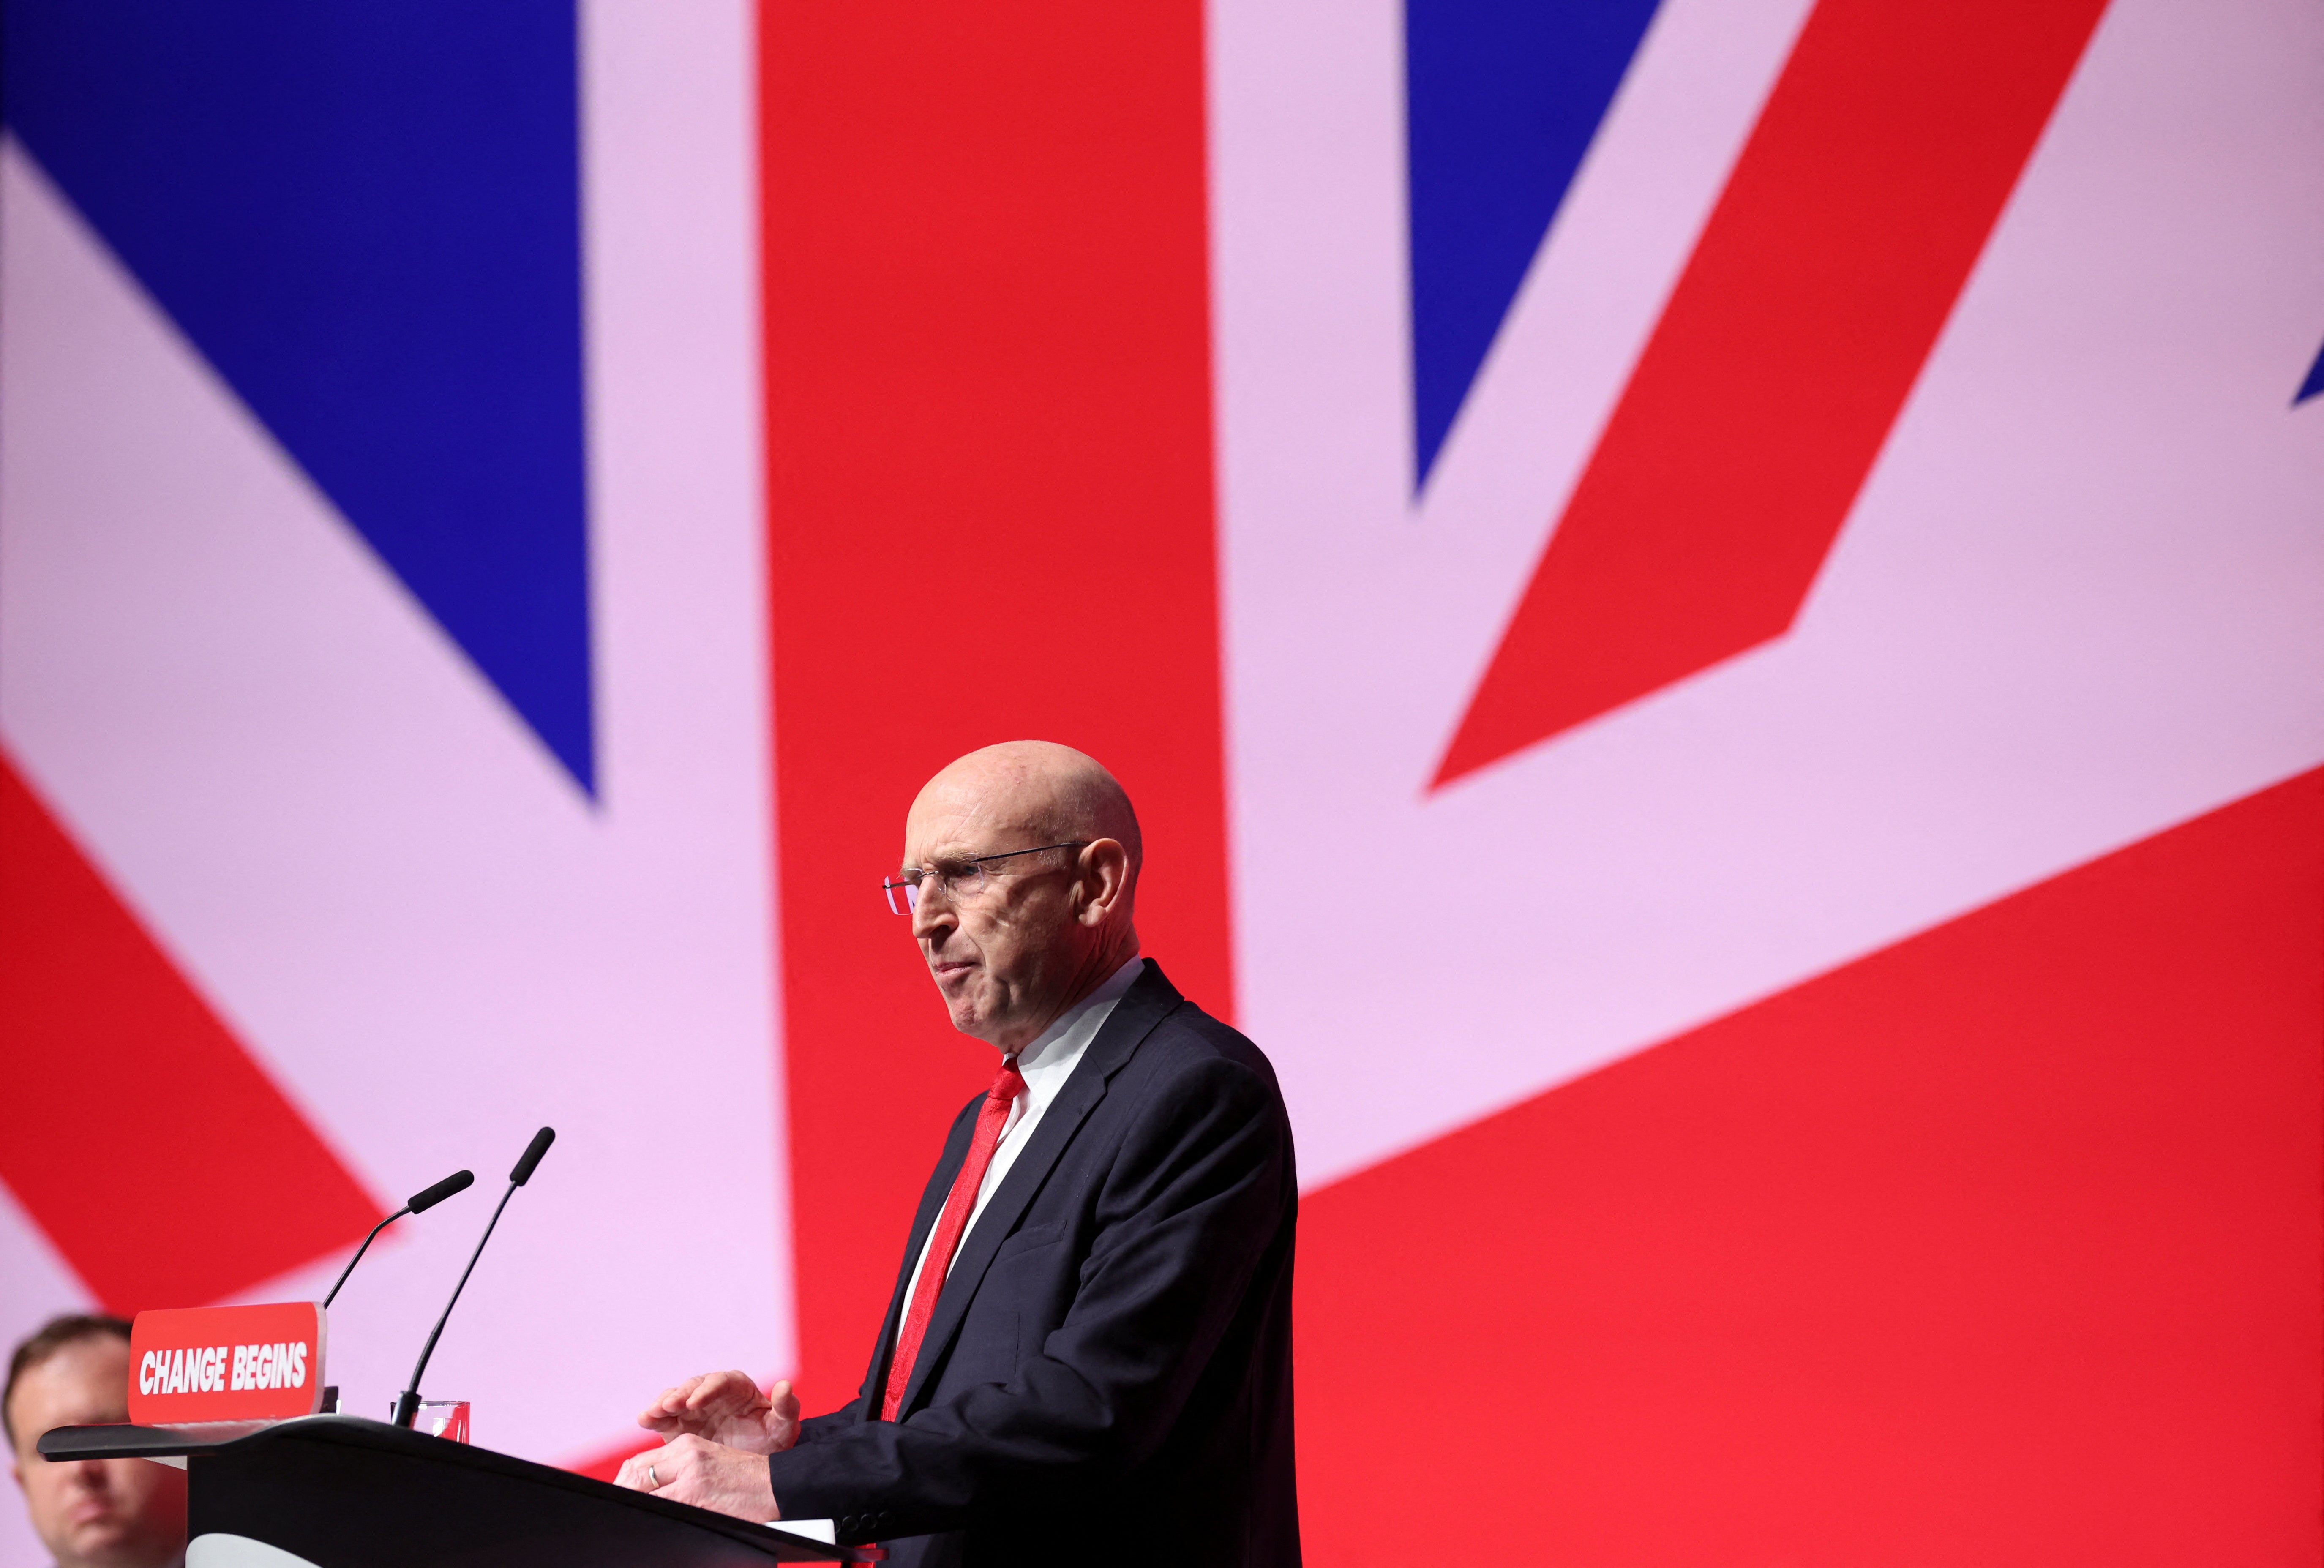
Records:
x=101, y=1535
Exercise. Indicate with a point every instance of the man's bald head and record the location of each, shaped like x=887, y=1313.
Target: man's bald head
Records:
x=1052, y=792
x=1038, y=931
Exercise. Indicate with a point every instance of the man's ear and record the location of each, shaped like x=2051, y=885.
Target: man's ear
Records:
x=1106, y=875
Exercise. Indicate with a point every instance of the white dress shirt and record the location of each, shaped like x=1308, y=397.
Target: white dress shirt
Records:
x=1045, y=1064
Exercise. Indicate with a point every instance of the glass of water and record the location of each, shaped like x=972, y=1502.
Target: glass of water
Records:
x=441, y=1419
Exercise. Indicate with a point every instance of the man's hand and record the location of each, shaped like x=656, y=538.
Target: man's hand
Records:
x=727, y=1408
x=709, y=1475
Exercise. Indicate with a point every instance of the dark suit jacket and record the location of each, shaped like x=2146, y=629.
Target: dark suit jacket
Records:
x=1107, y=1378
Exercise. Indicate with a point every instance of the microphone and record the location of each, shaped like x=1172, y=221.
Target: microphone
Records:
x=525, y=1162
x=419, y=1202
x=407, y=1403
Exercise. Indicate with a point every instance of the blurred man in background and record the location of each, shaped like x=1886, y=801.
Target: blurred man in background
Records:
x=90, y=1513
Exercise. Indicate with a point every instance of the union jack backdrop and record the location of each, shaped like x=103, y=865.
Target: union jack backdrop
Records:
x=1714, y=609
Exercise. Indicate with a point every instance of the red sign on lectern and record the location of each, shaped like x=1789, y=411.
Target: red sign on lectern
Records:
x=226, y=1363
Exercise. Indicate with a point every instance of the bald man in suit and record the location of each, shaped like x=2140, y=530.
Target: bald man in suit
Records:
x=1086, y=1356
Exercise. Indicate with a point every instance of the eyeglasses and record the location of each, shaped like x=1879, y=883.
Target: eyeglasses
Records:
x=956, y=879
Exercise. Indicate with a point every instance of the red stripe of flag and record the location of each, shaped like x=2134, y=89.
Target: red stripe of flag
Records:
x=1999, y=1246
x=989, y=486
x=1867, y=190
x=156, y=1155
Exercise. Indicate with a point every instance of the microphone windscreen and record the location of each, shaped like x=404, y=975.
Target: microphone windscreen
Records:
x=459, y=1181
x=532, y=1155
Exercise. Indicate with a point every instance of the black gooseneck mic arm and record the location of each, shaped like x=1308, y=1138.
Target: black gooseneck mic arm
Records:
x=407, y=1403
x=459, y=1181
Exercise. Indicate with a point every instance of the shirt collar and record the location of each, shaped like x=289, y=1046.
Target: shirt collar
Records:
x=1062, y=1042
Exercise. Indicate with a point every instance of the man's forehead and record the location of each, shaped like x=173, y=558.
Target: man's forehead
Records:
x=964, y=842
x=91, y=1355
x=87, y=1375
x=974, y=815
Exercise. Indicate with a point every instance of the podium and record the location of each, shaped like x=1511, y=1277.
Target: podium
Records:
x=340, y=1491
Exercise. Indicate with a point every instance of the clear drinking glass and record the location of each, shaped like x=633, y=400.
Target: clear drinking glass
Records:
x=441, y=1419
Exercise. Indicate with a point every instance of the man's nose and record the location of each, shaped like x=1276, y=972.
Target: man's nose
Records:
x=931, y=911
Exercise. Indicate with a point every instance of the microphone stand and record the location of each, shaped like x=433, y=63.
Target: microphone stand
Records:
x=419, y=1204
x=407, y=1403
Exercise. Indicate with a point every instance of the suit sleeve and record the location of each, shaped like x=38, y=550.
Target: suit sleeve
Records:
x=1199, y=1191
x=824, y=1428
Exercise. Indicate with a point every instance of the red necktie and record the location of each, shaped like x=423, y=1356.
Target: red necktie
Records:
x=989, y=1118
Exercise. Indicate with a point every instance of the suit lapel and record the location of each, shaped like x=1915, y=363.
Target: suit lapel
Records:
x=1149, y=999
x=932, y=1202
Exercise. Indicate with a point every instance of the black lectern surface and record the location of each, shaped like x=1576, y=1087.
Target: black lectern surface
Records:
x=344, y=1492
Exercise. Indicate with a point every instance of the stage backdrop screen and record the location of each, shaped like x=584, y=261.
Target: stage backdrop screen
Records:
x=1714, y=610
